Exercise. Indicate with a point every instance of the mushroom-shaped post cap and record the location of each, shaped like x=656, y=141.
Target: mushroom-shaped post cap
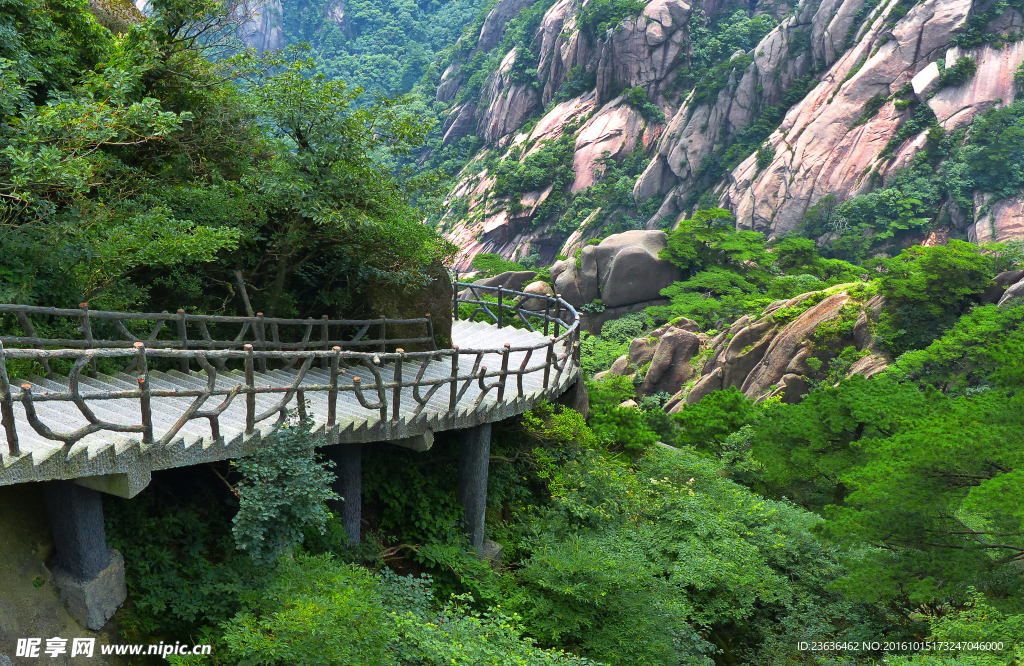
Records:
x=139, y=345
x=181, y=310
x=83, y=305
x=142, y=380
x=336, y=348
x=399, y=351
x=507, y=345
x=324, y=317
x=455, y=347
x=427, y=315
x=26, y=386
x=259, y=314
x=355, y=379
x=248, y=347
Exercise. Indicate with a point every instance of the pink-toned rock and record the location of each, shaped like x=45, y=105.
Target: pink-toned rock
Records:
x=870, y=365
x=992, y=84
x=789, y=342
x=670, y=365
x=506, y=105
x=629, y=269
x=1003, y=221
x=614, y=130
x=819, y=148
x=539, y=289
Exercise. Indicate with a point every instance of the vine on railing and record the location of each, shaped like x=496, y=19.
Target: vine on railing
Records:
x=560, y=351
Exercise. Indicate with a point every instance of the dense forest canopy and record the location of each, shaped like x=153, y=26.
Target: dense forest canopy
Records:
x=142, y=169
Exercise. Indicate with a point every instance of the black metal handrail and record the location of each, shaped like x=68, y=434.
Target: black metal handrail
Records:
x=561, y=353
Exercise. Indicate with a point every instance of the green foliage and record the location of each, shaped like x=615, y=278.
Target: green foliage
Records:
x=550, y=165
x=619, y=428
x=731, y=273
x=313, y=611
x=927, y=289
x=706, y=425
x=317, y=610
x=638, y=99
x=765, y=155
x=866, y=221
x=492, y=264
x=385, y=47
x=664, y=562
x=159, y=168
x=599, y=16
x=598, y=352
x=283, y=493
x=181, y=565
x=958, y=73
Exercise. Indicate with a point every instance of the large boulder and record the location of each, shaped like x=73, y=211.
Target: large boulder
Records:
x=670, y=364
x=539, y=289
x=1013, y=297
x=1000, y=284
x=514, y=280
x=627, y=267
x=434, y=299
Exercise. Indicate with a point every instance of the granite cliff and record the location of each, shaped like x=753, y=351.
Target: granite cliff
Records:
x=825, y=98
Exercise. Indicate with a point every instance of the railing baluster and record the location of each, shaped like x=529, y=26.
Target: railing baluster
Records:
x=397, y=399
x=547, y=315
x=250, y=396
x=558, y=316
x=504, y=372
x=332, y=394
x=454, y=399
x=522, y=371
x=548, y=362
x=87, y=332
x=261, y=338
x=145, y=400
x=383, y=334
x=183, y=339
x=7, y=407
x=430, y=332
x=324, y=339
x=500, y=313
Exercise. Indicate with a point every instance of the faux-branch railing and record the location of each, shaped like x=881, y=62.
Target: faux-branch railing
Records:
x=212, y=356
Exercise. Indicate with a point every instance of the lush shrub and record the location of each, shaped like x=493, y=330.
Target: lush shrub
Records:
x=492, y=264
x=319, y=611
x=706, y=425
x=599, y=16
x=283, y=492
x=638, y=99
x=927, y=289
x=958, y=73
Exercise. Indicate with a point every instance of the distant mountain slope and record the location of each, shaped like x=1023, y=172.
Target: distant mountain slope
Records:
x=837, y=119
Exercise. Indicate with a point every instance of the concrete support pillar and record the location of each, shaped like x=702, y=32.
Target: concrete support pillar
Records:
x=349, y=484
x=474, y=457
x=89, y=574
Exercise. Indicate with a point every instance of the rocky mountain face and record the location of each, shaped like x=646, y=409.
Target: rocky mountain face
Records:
x=827, y=102
x=787, y=349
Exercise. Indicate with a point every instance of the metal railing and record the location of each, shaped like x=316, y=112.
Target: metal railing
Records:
x=408, y=369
